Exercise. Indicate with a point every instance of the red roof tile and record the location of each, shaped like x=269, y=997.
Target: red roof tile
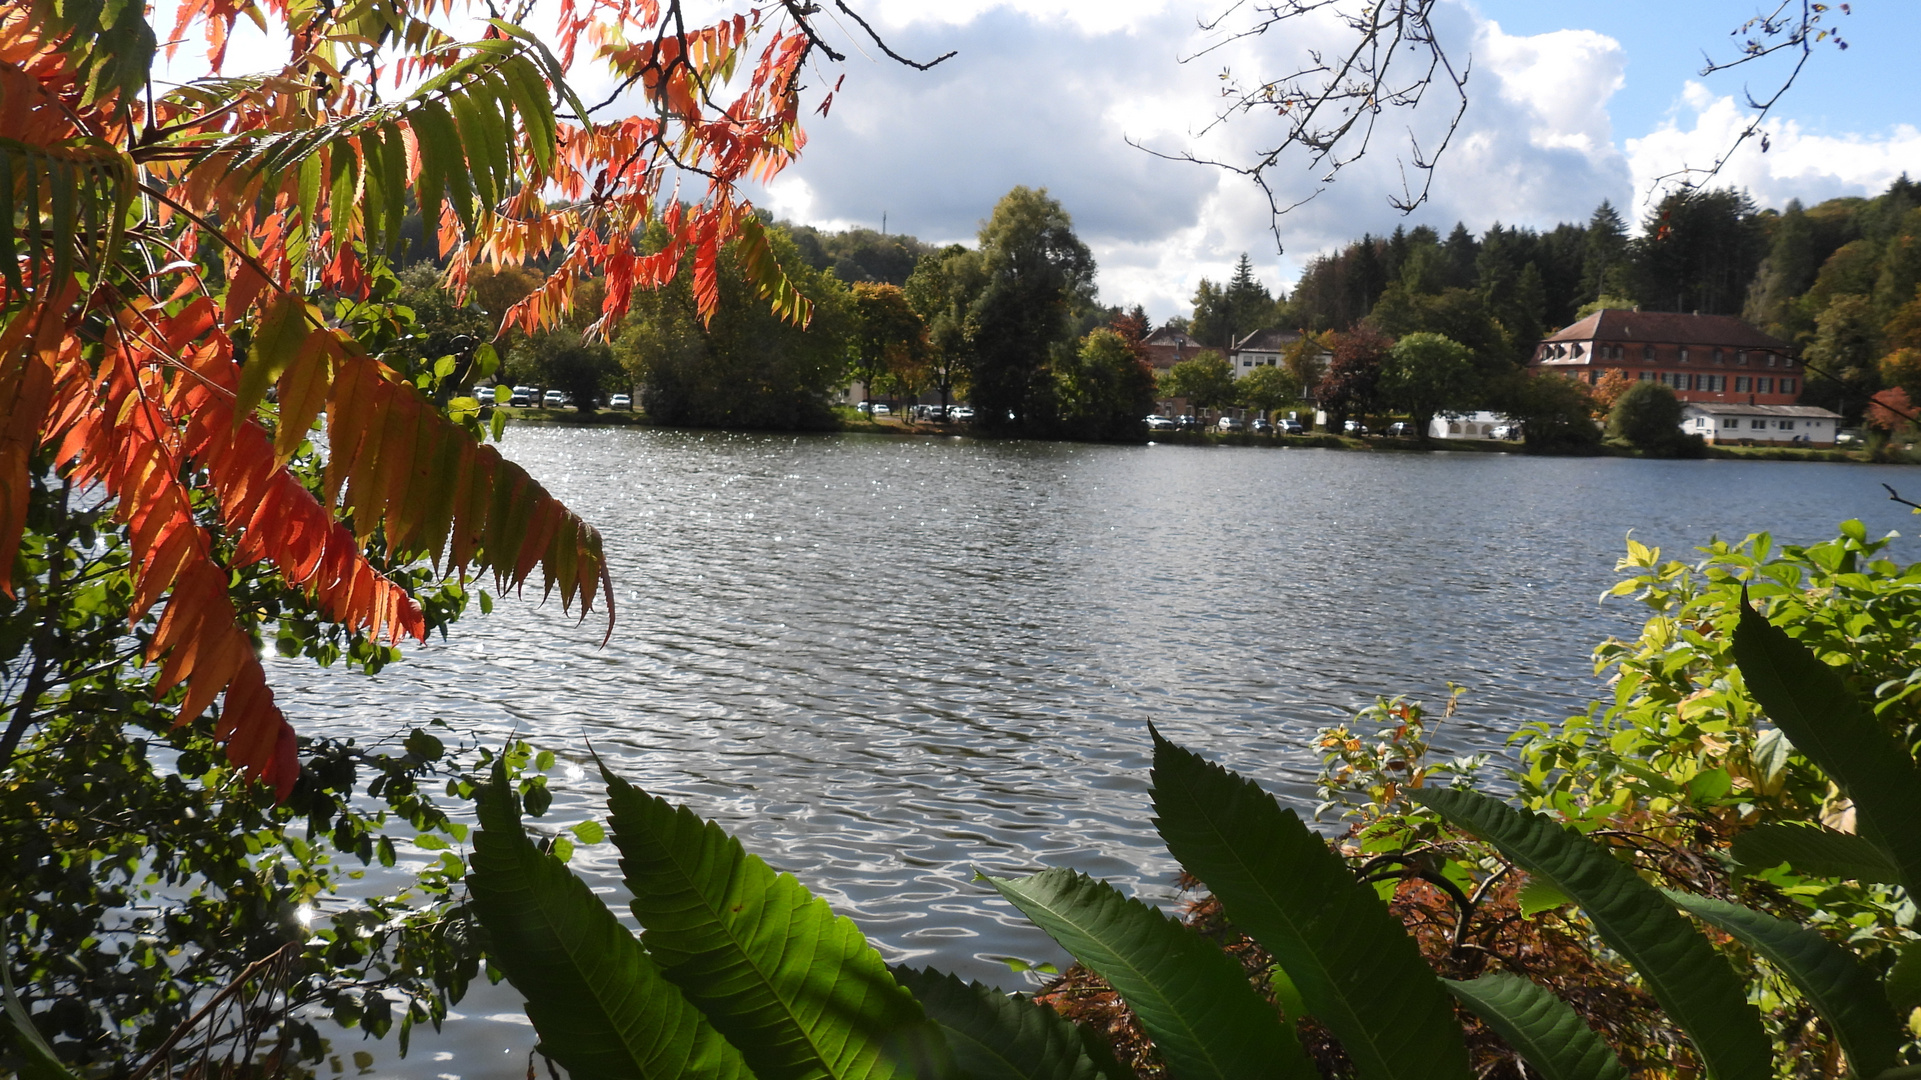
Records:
x=1668, y=328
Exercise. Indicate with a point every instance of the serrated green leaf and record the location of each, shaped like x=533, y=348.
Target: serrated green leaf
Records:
x=796, y=987
x=1356, y=968
x=1814, y=850
x=1809, y=702
x=1541, y=1027
x=1193, y=998
x=589, y=832
x=998, y=1036
x=1693, y=983
x=599, y=1002
x=1835, y=982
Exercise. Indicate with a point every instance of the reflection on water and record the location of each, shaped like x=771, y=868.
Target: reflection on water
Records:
x=886, y=663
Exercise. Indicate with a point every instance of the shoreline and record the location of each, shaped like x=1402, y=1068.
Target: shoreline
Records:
x=1316, y=440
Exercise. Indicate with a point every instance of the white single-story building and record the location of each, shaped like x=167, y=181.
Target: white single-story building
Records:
x=1760, y=425
x=1474, y=425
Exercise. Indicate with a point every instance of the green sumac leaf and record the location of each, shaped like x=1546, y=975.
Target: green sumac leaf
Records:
x=998, y=1036
x=1841, y=989
x=1809, y=702
x=599, y=1002
x=1693, y=983
x=1814, y=850
x=796, y=987
x=1553, y=1038
x=1356, y=968
x=1193, y=998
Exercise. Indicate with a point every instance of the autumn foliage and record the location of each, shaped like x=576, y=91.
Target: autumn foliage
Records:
x=173, y=263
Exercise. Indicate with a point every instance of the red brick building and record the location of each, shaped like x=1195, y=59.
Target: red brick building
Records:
x=1165, y=348
x=1703, y=357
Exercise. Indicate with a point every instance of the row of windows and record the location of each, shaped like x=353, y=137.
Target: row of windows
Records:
x=1257, y=362
x=1743, y=384
x=1619, y=352
x=1755, y=424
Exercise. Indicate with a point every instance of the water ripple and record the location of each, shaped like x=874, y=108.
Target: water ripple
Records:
x=887, y=663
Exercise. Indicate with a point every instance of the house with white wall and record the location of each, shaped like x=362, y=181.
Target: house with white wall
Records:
x=1728, y=423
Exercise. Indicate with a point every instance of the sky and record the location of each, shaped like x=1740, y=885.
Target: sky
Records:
x=1570, y=102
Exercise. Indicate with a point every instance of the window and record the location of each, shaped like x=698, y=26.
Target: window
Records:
x=1787, y=386
x=1764, y=386
x=1741, y=357
x=1730, y=421
x=1741, y=384
x=1787, y=425
x=1700, y=421
x=1770, y=359
x=1719, y=357
x=1684, y=353
x=1647, y=376
x=1647, y=353
x=1757, y=424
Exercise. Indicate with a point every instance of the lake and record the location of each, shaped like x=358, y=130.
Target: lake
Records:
x=887, y=662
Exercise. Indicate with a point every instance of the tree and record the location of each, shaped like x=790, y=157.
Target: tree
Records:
x=1352, y=382
x=1036, y=272
x=746, y=367
x=1267, y=389
x=941, y=290
x=1104, y=390
x=890, y=340
x=1604, y=255
x=1842, y=372
x=1206, y=381
x=1225, y=314
x=1428, y=373
x=1556, y=414
x=583, y=370
x=1647, y=416
x=1698, y=251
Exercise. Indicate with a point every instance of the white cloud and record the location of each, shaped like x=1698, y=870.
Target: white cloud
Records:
x=1797, y=164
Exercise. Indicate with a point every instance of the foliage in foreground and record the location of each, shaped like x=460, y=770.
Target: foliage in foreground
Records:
x=722, y=989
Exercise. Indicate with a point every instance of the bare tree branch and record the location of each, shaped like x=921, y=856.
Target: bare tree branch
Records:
x=1328, y=107
x=1795, y=27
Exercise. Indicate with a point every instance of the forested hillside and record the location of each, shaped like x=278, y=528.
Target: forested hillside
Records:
x=1837, y=280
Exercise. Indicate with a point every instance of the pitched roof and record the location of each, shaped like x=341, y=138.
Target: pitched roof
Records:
x=1668, y=328
x=1273, y=339
x=1164, y=336
x=1728, y=408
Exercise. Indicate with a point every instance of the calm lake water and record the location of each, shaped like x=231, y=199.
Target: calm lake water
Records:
x=885, y=663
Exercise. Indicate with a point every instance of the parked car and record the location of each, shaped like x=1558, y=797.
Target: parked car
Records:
x=961, y=414
x=1355, y=427
x=1401, y=429
x=1291, y=427
x=1507, y=431
x=1187, y=422
x=1158, y=422
x=554, y=399
x=1261, y=426
x=620, y=401
x=523, y=397
x=1229, y=423
x=882, y=409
